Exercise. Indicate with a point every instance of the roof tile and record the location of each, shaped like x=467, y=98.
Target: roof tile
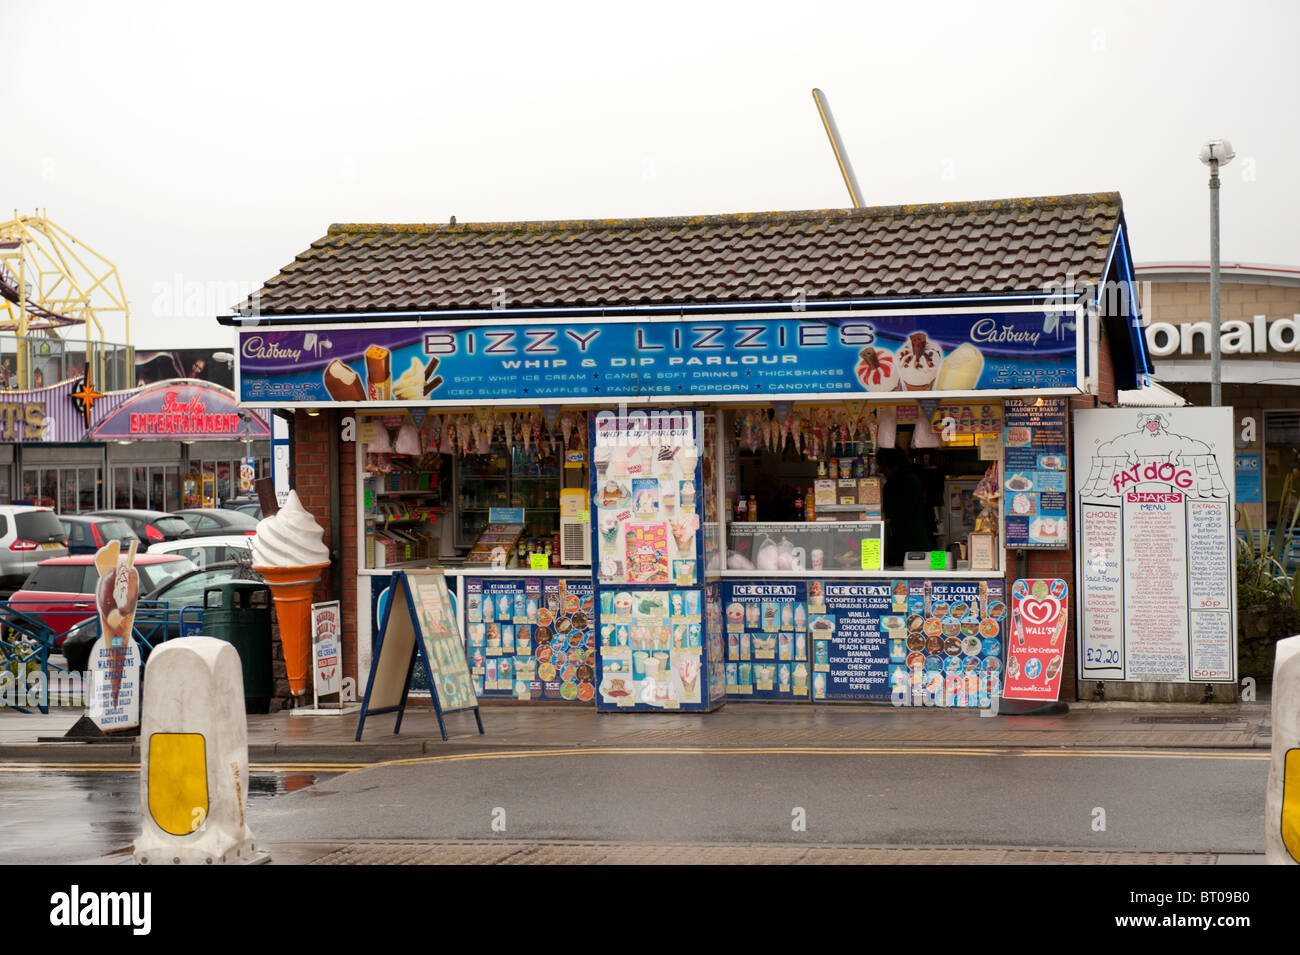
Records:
x=1004, y=245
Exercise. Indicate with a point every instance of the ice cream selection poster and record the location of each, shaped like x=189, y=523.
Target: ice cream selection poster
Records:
x=1034, y=488
x=957, y=352
x=1036, y=640
x=1156, y=574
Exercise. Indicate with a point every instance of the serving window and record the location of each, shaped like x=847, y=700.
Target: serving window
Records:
x=855, y=488
x=487, y=489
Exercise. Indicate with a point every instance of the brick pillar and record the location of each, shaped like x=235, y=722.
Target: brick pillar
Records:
x=313, y=480
x=1060, y=563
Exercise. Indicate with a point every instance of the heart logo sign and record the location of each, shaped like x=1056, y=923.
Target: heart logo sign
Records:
x=1039, y=611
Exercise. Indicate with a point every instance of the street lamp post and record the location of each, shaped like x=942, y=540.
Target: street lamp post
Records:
x=1215, y=153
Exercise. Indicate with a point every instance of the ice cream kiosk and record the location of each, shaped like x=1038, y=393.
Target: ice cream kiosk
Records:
x=696, y=491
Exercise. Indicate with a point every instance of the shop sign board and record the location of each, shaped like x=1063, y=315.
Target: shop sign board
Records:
x=1157, y=582
x=1249, y=486
x=912, y=642
x=1036, y=640
x=1036, y=462
x=952, y=353
x=58, y=413
x=180, y=410
x=326, y=651
x=419, y=631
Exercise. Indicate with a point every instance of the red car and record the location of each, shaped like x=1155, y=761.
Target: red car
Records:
x=61, y=591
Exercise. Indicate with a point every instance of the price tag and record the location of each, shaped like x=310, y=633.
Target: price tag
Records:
x=938, y=560
x=539, y=562
x=367, y=431
x=871, y=553
x=990, y=447
x=583, y=517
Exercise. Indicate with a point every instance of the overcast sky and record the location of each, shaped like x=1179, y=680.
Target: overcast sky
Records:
x=201, y=147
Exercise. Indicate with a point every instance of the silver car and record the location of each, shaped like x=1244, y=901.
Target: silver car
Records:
x=28, y=535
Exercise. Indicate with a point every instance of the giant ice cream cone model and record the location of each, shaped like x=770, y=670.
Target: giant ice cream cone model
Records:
x=289, y=554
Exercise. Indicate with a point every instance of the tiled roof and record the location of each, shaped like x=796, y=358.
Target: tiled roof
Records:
x=974, y=247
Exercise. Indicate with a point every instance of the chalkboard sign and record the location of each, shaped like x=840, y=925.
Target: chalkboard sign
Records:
x=419, y=628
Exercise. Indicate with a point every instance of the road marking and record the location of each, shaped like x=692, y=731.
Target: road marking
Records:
x=1147, y=754
x=135, y=767
x=26, y=767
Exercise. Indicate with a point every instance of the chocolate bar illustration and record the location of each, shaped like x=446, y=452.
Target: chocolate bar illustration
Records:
x=379, y=373
x=431, y=379
x=343, y=384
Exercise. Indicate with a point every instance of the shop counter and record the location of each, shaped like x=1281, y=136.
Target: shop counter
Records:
x=818, y=546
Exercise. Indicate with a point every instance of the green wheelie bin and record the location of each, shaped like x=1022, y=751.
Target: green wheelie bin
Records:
x=239, y=612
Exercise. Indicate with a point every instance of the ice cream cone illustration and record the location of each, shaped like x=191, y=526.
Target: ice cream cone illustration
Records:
x=291, y=557
x=688, y=670
x=115, y=599
x=919, y=360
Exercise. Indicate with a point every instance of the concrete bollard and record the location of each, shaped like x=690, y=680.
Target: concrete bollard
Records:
x=194, y=757
x=1282, y=810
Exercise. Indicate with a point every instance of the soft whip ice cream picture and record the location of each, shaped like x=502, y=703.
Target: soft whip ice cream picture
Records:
x=290, y=554
x=877, y=370
x=919, y=360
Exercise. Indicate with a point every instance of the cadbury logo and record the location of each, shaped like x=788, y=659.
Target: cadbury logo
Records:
x=988, y=330
x=255, y=346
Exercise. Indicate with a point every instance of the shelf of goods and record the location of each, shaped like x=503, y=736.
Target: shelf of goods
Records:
x=806, y=546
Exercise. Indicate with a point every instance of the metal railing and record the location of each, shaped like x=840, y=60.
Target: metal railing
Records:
x=27, y=642
x=52, y=360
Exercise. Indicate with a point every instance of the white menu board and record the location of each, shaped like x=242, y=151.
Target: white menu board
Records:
x=1156, y=575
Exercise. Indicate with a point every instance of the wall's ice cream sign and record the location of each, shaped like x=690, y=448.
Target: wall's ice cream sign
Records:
x=956, y=353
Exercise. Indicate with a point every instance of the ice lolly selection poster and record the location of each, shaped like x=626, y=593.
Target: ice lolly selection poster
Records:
x=1157, y=578
x=1036, y=640
x=912, y=642
x=531, y=638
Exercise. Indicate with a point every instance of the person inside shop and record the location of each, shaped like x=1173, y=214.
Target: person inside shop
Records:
x=903, y=506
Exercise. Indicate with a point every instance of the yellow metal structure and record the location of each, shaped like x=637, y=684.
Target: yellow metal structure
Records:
x=50, y=281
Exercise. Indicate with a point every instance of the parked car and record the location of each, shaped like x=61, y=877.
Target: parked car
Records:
x=178, y=592
x=88, y=534
x=216, y=521
x=151, y=527
x=203, y=551
x=28, y=535
x=61, y=590
x=249, y=504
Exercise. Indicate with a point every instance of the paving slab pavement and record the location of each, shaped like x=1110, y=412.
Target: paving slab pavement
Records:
x=593, y=853
x=302, y=739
